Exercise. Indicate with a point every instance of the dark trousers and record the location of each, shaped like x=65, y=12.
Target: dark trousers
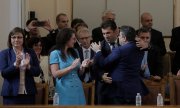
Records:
x=98, y=91
x=19, y=100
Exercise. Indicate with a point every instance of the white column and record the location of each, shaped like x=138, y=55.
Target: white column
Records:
x=176, y=13
x=15, y=13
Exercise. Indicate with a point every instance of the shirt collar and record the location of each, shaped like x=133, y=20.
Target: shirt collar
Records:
x=85, y=49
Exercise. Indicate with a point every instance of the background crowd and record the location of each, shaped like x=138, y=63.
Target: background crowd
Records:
x=117, y=57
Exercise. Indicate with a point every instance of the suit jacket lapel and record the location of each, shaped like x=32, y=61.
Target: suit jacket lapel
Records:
x=81, y=53
x=12, y=56
x=92, y=53
x=105, y=48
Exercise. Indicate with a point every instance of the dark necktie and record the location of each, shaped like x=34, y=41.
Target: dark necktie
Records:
x=86, y=54
x=113, y=44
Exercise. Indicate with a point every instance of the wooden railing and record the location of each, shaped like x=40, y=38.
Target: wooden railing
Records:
x=48, y=106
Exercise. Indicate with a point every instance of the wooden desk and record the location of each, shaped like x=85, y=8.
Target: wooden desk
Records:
x=50, y=106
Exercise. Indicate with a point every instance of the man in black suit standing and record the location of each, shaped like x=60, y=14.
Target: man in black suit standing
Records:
x=110, y=32
x=175, y=46
x=96, y=32
x=157, y=41
x=62, y=22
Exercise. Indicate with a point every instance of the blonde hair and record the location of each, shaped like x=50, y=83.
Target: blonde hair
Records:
x=83, y=30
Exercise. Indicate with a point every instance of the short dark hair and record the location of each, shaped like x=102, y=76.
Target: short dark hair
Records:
x=30, y=20
x=76, y=21
x=109, y=23
x=143, y=30
x=57, y=17
x=32, y=41
x=14, y=31
x=129, y=32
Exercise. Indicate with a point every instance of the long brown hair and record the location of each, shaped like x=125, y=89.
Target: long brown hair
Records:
x=61, y=40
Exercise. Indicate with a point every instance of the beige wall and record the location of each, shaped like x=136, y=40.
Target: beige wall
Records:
x=176, y=13
x=51, y=8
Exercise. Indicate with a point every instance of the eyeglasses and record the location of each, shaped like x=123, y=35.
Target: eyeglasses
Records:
x=18, y=37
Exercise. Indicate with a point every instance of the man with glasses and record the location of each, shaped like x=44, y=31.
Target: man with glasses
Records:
x=85, y=52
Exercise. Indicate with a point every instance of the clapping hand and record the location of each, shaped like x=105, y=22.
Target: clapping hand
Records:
x=85, y=63
x=19, y=57
x=96, y=47
x=75, y=63
x=27, y=60
x=91, y=62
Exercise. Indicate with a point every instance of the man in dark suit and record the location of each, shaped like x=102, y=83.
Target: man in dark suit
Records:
x=96, y=32
x=123, y=65
x=157, y=41
x=175, y=46
x=85, y=52
x=110, y=32
x=152, y=64
x=62, y=22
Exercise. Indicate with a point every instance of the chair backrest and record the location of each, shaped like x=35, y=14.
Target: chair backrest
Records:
x=172, y=54
x=174, y=87
x=41, y=97
x=166, y=62
x=154, y=87
x=89, y=91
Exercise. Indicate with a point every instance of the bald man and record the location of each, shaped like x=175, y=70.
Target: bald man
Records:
x=157, y=41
